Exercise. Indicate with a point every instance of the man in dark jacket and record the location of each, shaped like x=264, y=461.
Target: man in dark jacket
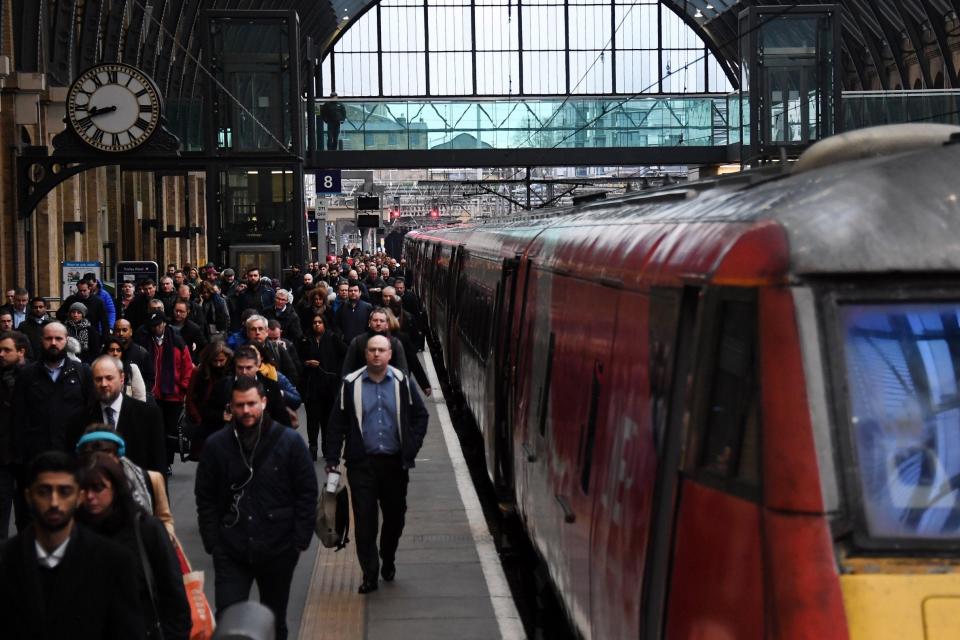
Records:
x=12, y=353
x=256, y=493
x=284, y=313
x=258, y=295
x=59, y=580
x=138, y=423
x=375, y=285
x=96, y=312
x=133, y=353
x=352, y=316
x=32, y=327
x=246, y=362
x=51, y=398
x=333, y=114
x=189, y=331
x=381, y=419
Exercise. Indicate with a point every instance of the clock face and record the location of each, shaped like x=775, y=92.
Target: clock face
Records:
x=113, y=107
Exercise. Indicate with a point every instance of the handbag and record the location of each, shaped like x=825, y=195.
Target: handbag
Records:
x=154, y=632
x=186, y=430
x=201, y=615
x=333, y=518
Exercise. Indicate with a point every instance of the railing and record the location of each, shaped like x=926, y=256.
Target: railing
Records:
x=511, y=123
x=872, y=108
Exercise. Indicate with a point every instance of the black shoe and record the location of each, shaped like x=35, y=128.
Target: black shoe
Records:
x=388, y=571
x=313, y=452
x=367, y=586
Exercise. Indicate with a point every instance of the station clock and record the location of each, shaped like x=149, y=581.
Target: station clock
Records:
x=113, y=107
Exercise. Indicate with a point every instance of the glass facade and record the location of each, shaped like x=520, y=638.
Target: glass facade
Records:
x=407, y=48
x=874, y=108
x=251, y=64
x=536, y=123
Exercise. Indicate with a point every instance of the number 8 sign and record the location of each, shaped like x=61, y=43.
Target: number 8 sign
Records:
x=328, y=181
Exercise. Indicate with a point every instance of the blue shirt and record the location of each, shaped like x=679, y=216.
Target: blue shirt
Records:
x=381, y=433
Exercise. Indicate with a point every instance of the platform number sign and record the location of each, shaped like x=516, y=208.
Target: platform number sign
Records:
x=328, y=181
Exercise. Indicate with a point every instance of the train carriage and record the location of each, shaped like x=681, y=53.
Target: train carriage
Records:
x=727, y=410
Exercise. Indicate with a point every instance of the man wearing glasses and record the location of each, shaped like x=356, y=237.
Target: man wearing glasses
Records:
x=256, y=493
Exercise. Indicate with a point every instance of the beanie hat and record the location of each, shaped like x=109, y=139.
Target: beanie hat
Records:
x=79, y=306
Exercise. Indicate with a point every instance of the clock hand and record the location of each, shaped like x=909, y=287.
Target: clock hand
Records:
x=95, y=111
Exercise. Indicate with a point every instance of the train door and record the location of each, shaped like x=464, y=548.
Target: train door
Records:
x=454, y=295
x=265, y=256
x=716, y=573
x=625, y=471
x=672, y=333
x=502, y=369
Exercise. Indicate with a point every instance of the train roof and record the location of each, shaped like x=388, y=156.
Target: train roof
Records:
x=898, y=212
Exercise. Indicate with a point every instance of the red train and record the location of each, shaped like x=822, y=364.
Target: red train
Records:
x=729, y=409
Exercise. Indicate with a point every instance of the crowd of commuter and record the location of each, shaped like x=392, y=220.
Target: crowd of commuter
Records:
x=101, y=397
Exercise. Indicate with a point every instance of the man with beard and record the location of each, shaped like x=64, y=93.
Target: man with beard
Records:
x=256, y=493
x=32, y=327
x=138, y=423
x=133, y=353
x=258, y=295
x=59, y=580
x=51, y=398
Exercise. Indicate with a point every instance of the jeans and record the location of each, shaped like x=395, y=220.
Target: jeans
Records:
x=378, y=481
x=233, y=577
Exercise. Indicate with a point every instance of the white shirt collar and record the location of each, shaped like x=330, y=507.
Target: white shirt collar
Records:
x=52, y=559
x=115, y=405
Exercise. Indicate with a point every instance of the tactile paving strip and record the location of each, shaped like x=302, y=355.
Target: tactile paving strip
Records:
x=334, y=609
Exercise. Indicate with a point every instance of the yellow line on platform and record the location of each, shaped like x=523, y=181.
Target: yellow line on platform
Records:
x=334, y=609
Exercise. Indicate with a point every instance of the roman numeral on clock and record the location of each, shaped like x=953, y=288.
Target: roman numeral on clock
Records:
x=98, y=136
x=142, y=124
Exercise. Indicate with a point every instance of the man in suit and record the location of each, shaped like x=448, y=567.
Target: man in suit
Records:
x=138, y=423
x=59, y=580
x=32, y=327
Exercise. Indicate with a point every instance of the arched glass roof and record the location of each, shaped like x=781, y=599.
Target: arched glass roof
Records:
x=504, y=47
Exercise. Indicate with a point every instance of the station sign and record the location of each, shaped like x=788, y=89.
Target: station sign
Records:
x=72, y=272
x=328, y=182
x=136, y=271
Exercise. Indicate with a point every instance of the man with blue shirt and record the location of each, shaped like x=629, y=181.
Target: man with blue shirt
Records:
x=379, y=422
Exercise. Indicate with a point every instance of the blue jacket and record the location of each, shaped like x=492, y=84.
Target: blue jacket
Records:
x=276, y=509
x=108, y=304
x=345, y=431
x=352, y=321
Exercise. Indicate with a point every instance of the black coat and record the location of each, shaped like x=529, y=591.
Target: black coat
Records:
x=289, y=321
x=216, y=315
x=352, y=320
x=46, y=414
x=323, y=381
x=34, y=332
x=141, y=426
x=135, y=354
x=193, y=337
x=172, y=608
x=94, y=593
x=277, y=509
x=343, y=429
x=96, y=312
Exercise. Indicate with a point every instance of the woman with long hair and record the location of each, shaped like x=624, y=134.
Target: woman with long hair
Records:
x=107, y=507
x=321, y=352
x=216, y=363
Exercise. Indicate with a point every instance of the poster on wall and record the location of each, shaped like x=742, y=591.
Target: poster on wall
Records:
x=72, y=273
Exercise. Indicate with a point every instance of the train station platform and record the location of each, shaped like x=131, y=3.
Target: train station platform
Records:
x=449, y=581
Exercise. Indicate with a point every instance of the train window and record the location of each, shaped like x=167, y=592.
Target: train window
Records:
x=730, y=442
x=902, y=368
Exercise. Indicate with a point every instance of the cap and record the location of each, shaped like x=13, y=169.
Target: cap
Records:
x=228, y=272
x=156, y=319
